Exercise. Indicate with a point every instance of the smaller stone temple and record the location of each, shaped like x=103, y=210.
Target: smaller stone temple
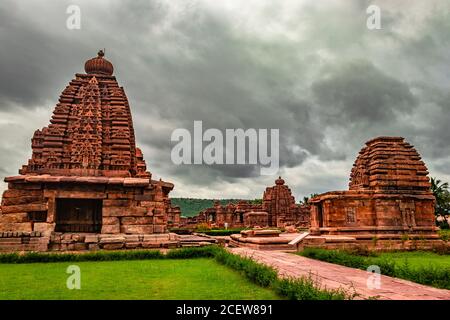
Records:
x=278, y=209
x=86, y=184
x=389, y=196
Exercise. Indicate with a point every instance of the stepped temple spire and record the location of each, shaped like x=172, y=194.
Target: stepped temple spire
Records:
x=389, y=163
x=86, y=175
x=91, y=131
x=389, y=196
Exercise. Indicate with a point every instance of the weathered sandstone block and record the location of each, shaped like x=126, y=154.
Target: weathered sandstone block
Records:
x=159, y=228
x=45, y=228
x=140, y=229
x=14, y=217
x=23, y=226
x=24, y=208
x=110, y=220
x=111, y=228
x=136, y=220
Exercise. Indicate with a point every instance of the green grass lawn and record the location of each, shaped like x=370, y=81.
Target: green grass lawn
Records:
x=423, y=267
x=192, y=279
x=418, y=258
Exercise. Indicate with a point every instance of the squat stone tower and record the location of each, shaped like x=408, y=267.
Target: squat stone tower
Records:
x=389, y=195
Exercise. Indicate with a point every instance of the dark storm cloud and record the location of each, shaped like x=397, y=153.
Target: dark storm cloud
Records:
x=357, y=92
x=312, y=70
x=29, y=56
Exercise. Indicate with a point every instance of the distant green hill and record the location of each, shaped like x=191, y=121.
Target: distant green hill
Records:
x=191, y=207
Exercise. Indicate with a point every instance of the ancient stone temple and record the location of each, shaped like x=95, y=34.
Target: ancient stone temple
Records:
x=86, y=174
x=278, y=209
x=279, y=203
x=389, y=196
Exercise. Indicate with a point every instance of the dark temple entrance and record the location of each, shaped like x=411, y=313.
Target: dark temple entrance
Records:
x=78, y=215
x=320, y=215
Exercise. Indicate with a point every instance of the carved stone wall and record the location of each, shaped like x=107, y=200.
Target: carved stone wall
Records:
x=389, y=195
x=88, y=151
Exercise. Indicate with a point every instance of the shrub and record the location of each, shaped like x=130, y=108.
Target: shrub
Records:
x=306, y=289
x=203, y=227
x=189, y=253
x=334, y=256
x=222, y=232
x=429, y=275
x=181, y=230
x=443, y=224
x=32, y=257
x=445, y=235
x=258, y=273
x=362, y=251
x=387, y=266
x=303, y=288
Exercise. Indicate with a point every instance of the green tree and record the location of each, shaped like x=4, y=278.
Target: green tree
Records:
x=256, y=201
x=306, y=198
x=442, y=194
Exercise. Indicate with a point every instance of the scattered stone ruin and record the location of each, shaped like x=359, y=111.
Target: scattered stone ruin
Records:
x=278, y=209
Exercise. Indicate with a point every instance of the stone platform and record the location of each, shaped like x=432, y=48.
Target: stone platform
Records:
x=195, y=240
x=263, y=239
x=38, y=242
x=379, y=243
x=23, y=241
x=269, y=240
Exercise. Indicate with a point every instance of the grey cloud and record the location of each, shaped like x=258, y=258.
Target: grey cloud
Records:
x=359, y=92
x=312, y=70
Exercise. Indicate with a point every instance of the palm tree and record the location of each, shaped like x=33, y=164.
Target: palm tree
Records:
x=438, y=187
x=442, y=195
x=306, y=199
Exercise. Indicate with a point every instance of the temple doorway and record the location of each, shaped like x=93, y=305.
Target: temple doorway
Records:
x=320, y=215
x=78, y=215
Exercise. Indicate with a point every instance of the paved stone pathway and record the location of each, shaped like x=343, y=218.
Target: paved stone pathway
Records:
x=333, y=276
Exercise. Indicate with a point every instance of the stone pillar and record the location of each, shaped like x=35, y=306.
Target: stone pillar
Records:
x=314, y=229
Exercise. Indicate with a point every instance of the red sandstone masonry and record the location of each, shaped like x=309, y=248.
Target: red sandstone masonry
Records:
x=278, y=209
x=88, y=151
x=389, y=195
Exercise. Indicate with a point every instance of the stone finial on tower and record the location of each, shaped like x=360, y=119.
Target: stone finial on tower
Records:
x=279, y=181
x=99, y=65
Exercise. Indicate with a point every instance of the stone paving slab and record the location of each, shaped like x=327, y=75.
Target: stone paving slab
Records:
x=333, y=276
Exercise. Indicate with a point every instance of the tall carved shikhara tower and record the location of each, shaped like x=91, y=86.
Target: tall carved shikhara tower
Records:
x=91, y=131
x=86, y=173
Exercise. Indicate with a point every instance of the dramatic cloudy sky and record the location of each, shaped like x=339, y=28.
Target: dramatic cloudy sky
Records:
x=310, y=68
